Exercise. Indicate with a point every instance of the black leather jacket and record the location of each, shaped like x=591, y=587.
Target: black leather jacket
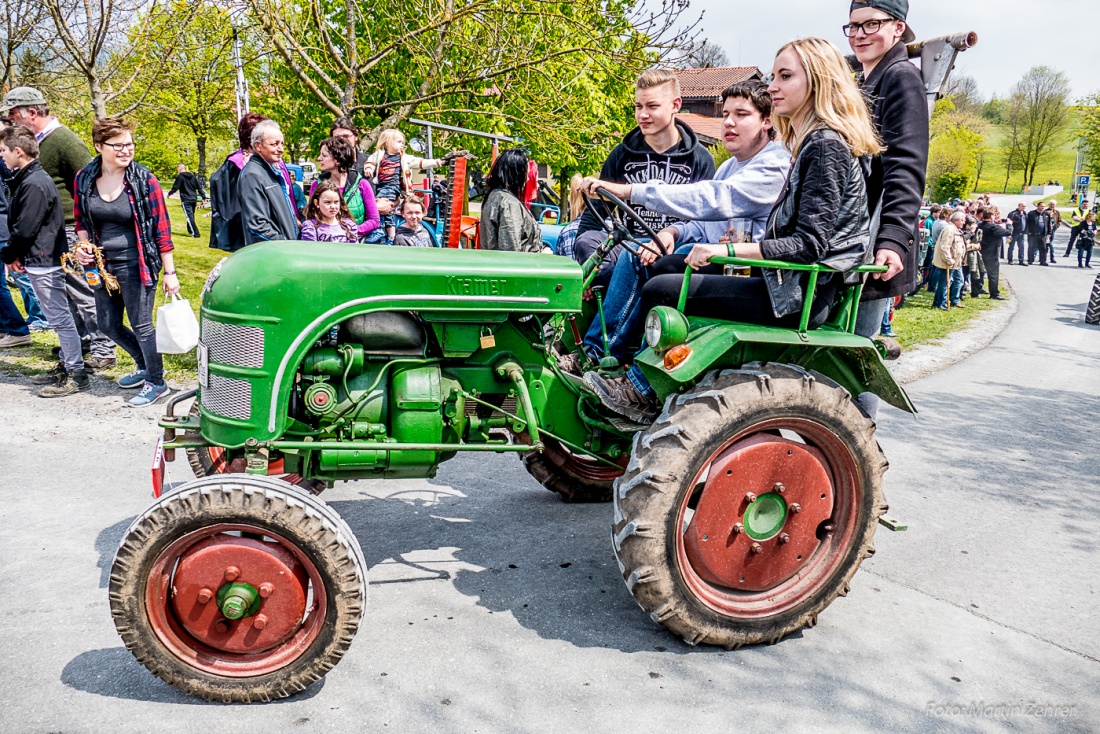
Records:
x=821, y=217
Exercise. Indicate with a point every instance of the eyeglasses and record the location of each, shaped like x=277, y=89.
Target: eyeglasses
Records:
x=120, y=147
x=868, y=26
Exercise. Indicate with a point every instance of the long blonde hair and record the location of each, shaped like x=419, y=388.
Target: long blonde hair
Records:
x=576, y=198
x=833, y=100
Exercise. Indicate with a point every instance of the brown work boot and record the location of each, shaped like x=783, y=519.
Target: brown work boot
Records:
x=95, y=364
x=620, y=395
x=54, y=376
x=71, y=383
x=571, y=363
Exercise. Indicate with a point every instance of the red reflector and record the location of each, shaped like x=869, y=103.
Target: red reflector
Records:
x=677, y=356
x=158, y=468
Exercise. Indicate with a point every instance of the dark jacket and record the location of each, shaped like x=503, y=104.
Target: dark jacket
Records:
x=4, y=207
x=633, y=161
x=266, y=214
x=507, y=225
x=36, y=220
x=896, y=183
x=1018, y=220
x=1038, y=223
x=190, y=187
x=821, y=217
x=154, y=229
x=992, y=238
x=225, y=205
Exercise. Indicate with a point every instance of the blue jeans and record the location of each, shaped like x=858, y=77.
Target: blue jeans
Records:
x=622, y=307
x=11, y=321
x=35, y=318
x=939, y=286
x=1085, y=254
x=1019, y=240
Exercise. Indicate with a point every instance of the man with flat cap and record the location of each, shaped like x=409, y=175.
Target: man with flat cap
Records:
x=878, y=34
x=62, y=153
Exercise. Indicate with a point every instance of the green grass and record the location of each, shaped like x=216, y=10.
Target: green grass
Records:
x=918, y=323
x=1056, y=166
x=193, y=260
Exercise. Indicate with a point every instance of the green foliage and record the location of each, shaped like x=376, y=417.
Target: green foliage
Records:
x=950, y=186
x=993, y=111
x=1039, y=106
x=720, y=154
x=1089, y=131
x=955, y=147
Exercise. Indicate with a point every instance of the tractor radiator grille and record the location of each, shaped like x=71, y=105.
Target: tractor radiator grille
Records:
x=240, y=346
x=227, y=396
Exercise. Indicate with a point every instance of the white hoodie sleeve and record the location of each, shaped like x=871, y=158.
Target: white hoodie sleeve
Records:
x=739, y=190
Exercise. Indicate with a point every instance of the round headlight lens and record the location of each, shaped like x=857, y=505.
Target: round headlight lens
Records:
x=653, y=329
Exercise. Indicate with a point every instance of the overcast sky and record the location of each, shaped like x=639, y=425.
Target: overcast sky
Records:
x=1013, y=35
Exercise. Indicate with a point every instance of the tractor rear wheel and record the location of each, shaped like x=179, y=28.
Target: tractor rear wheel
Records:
x=238, y=588
x=573, y=477
x=749, y=505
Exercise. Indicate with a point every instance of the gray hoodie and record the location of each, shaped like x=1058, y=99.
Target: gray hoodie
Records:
x=747, y=189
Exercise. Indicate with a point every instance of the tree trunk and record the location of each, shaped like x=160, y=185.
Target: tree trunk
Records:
x=99, y=104
x=200, y=144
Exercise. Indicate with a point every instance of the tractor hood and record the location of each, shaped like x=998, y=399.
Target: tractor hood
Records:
x=291, y=279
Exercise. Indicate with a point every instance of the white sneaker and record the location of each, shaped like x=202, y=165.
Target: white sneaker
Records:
x=12, y=340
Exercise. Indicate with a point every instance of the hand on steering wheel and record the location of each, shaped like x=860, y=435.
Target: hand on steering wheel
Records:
x=614, y=221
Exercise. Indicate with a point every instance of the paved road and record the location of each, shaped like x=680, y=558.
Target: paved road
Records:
x=496, y=608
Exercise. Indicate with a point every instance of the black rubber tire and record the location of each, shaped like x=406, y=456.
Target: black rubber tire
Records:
x=315, y=529
x=203, y=466
x=668, y=456
x=1092, y=311
x=549, y=471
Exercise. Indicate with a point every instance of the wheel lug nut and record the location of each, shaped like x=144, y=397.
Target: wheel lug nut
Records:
x=757, y=548
x=796, y=508
x=259, y=622
x=221, y=626
x=829, y=528
x=205, y=595
x=778, y=487
x=266, y=590
x=784, y=538
x=750, y=497
x=232, y=573
x=738, y=528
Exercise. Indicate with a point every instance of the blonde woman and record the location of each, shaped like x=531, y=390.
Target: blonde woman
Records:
x=821, y=215
x=568, y=235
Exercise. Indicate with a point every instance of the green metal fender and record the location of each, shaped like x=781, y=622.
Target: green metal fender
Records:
x=852, y=361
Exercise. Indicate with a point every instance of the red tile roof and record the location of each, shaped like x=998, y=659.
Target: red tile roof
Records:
x=704, y=127
x=709, y=83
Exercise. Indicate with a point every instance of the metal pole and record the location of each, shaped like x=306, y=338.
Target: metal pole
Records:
x=240, y=86
x=431, y=154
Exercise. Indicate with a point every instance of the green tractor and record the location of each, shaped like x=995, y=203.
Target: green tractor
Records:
x=738, y=515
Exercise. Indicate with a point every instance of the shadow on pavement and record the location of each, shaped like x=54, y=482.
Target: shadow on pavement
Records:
x=113, y=672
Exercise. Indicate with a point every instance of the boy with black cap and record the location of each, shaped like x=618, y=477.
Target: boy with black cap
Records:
x=878, y=34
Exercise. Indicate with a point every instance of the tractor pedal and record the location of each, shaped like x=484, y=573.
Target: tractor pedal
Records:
x=892, y=523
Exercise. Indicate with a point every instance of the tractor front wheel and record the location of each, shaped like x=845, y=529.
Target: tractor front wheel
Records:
x=238, y=589
x=749, y=505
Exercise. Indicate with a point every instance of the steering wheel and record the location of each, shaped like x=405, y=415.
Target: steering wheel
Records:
x=614, y=221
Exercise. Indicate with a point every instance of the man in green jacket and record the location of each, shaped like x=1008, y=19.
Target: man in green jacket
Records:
x=62, y=153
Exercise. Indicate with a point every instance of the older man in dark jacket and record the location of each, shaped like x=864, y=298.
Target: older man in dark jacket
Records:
x=878, y=34
x=1018, y=219
x=1038, y=225
x=267, y=201
x=992, y=236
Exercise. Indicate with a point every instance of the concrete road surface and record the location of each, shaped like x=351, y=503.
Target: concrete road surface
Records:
x=496, y=608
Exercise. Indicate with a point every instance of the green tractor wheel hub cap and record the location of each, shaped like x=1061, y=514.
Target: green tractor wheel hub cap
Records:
x=238, y=600
x=765, y=517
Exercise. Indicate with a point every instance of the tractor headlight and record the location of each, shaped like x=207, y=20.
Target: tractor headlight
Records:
x=665, y=327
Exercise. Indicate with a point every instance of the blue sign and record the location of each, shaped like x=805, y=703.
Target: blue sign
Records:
x=1083, y=182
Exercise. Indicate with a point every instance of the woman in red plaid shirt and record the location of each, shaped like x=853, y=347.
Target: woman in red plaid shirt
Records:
x=122, y=224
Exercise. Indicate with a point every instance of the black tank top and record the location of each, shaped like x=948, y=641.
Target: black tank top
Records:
x=114, y=220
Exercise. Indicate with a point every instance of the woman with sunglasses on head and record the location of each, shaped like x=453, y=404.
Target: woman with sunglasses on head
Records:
x=122, y=226
x=821, y=216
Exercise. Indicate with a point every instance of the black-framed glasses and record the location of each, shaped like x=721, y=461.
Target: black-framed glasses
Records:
x=868, y=26
x=120, y=147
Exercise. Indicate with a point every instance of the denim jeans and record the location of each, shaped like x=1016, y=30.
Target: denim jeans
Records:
x=939, y=285
x=11, y=321
x=35, y=318
x=1084, y=254
x=138, y=301
x=1019, y=239
x=51, y=290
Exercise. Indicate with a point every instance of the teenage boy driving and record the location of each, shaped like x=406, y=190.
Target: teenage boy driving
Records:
x=661, y=149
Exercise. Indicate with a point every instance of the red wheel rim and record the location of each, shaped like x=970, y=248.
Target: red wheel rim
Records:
x=775, y=591
x=584, y=467
x=223, y=465
x=247, y=651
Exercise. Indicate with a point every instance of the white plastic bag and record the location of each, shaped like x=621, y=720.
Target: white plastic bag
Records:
x=177, y=327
